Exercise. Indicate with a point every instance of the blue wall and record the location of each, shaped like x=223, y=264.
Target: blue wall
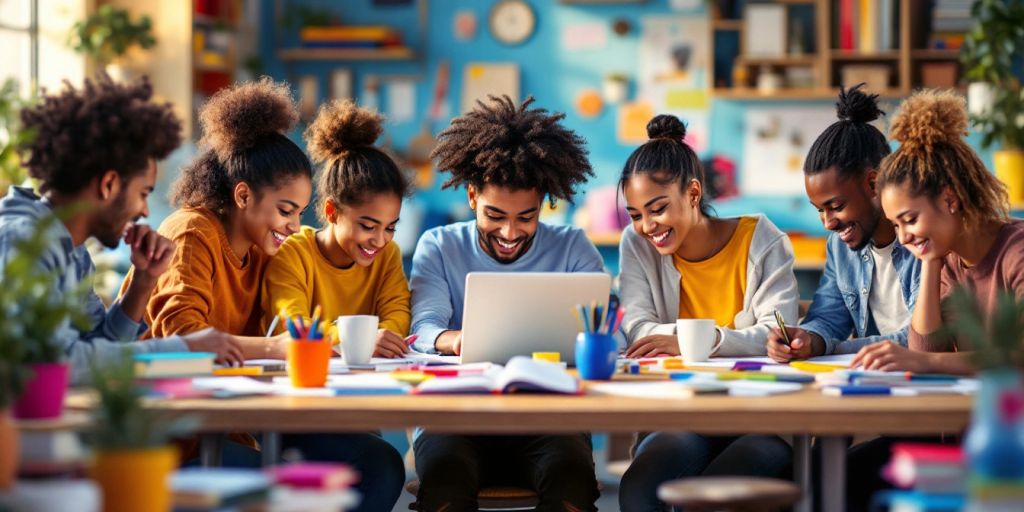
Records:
x=552, y=75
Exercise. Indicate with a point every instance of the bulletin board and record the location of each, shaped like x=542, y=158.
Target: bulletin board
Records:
x=776, y=141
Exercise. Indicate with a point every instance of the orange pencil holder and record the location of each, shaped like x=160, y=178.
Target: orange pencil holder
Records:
x=308, y=362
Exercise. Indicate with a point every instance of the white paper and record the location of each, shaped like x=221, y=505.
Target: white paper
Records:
x=761, y=388
x=661, y=390
x=401, y=101
x=836, y=359
x=729, y=362
x=585, y=36
x=776, y=141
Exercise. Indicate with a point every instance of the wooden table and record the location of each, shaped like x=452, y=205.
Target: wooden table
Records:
x=802, y=415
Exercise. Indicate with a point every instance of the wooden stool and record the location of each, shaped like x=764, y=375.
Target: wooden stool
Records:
x=736, y=494
x=490, y=498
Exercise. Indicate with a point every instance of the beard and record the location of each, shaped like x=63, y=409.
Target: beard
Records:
x=109, y=226
x=487, y=243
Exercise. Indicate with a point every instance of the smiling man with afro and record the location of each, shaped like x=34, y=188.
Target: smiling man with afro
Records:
x=510, y=158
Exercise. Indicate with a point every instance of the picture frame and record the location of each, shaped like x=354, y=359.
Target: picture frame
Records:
x=309, y=97
x=764, y=30
x=341, y=84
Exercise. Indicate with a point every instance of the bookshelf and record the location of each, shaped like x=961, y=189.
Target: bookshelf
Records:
x=825, y=49
x=342, y=54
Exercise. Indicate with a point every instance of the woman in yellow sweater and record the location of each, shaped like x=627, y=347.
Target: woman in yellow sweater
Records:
x=351, y=266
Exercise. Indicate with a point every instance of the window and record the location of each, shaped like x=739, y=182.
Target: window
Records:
x=19, y=34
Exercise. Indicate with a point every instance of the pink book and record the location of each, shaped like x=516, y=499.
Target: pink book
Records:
x=324, y=476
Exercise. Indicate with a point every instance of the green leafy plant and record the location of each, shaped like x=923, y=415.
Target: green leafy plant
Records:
x=31, y=313
x=109, y=32
x=122, y=422
x=13, y=374
x=990, y=50
x=12, y=134
x=996, y=338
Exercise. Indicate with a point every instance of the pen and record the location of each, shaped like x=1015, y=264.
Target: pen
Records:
x=863, y=390
x=782, y=326
x=273, y=325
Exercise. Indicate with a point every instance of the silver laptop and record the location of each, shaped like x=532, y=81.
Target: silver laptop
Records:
x=518, y=313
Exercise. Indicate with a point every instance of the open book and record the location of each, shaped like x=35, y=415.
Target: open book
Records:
x=521, y=374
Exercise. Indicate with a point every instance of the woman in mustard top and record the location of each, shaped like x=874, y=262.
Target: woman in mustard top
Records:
x=679, y=261
x=351, y=266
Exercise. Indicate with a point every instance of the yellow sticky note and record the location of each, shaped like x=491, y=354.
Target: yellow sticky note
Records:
x=476, y=71
x=242, y=370
x=805, y=366
x=632, y=122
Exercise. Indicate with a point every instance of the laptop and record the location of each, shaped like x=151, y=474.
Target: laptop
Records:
x=518, y=313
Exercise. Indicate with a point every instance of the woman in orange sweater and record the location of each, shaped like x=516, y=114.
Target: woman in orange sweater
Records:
x=240, y=200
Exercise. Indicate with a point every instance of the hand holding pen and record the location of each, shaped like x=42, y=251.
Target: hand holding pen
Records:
x=792, y=343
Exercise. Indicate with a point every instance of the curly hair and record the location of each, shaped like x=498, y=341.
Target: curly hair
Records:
x=851, y=145
x=933, y=156
x=81, y=134
x=502, y=144
x=341, y=138
x=243, y=131
x=666, y=158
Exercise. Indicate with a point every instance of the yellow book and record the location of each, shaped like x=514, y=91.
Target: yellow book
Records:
x=868, y=26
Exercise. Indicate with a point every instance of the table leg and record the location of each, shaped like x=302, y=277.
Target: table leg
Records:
x=211, y=447
x=833, y=472
x=270, y=449
x=802, y=471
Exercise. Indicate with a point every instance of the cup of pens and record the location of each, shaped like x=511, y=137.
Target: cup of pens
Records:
x=596, y=346
x=309, y=354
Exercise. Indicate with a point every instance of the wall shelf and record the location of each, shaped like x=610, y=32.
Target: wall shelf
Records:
x=859, y=56
x=788, y=60
x=927, y=54
x=367, y=54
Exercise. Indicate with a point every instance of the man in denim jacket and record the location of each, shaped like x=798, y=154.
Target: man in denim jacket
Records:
x=870, y=283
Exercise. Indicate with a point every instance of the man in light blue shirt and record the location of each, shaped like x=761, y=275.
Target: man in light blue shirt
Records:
x=510, y=158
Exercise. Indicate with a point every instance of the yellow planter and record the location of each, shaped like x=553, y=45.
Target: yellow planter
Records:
x=8, y=450
x=1010, y=170
x=135, y=480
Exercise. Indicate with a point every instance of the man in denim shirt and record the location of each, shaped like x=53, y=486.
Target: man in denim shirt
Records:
x=95, y=153
x=870, y=281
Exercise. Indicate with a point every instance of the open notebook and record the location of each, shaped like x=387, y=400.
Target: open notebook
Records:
x=521, y=374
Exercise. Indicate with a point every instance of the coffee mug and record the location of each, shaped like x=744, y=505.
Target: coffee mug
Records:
x=358, y=337
x=696, y=338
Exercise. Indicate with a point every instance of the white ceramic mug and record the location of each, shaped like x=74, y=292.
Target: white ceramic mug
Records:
x=358, y=336
x=696, y=338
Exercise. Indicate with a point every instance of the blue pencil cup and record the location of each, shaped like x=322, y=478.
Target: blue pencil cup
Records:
x=595, y=355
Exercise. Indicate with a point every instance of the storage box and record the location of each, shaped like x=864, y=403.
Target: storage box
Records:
x=875, y=76
x=939, y=74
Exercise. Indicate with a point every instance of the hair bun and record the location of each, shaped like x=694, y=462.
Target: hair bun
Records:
x=339, y=127
x=236, y=118
x=856, y=106
x=930, y=117
x=665, y=126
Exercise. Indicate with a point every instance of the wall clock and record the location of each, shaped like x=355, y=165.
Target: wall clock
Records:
x=512, y=22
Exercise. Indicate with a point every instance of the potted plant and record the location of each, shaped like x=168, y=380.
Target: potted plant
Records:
x=133, y=456
x=30, y=317
x=994, y=444
x=990, y=51
x=107, y=34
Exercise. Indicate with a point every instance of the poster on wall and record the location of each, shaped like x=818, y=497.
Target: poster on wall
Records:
x=775, y=143
x=675, y=69
x=481, y=79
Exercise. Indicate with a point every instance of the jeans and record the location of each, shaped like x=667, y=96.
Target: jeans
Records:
x=380, y=466
x=453, y=468
x=664, y=456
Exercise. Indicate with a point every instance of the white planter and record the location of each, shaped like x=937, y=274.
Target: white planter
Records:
x=980, y=97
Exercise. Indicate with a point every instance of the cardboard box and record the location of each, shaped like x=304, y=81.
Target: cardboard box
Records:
x=875, y=76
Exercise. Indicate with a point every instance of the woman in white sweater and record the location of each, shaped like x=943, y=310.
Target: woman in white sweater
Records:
x=679, y=261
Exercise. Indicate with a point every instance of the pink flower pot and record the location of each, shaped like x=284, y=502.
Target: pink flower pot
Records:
x=43, y=397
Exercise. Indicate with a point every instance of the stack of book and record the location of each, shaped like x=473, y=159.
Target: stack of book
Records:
x=200, y=489
x=314, y=486
x=930, y=477
x=866, y=26
x=950, y=20
x=350, y=37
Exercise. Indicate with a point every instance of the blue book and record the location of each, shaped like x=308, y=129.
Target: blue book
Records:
x=917, y=501
x=215, y=488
